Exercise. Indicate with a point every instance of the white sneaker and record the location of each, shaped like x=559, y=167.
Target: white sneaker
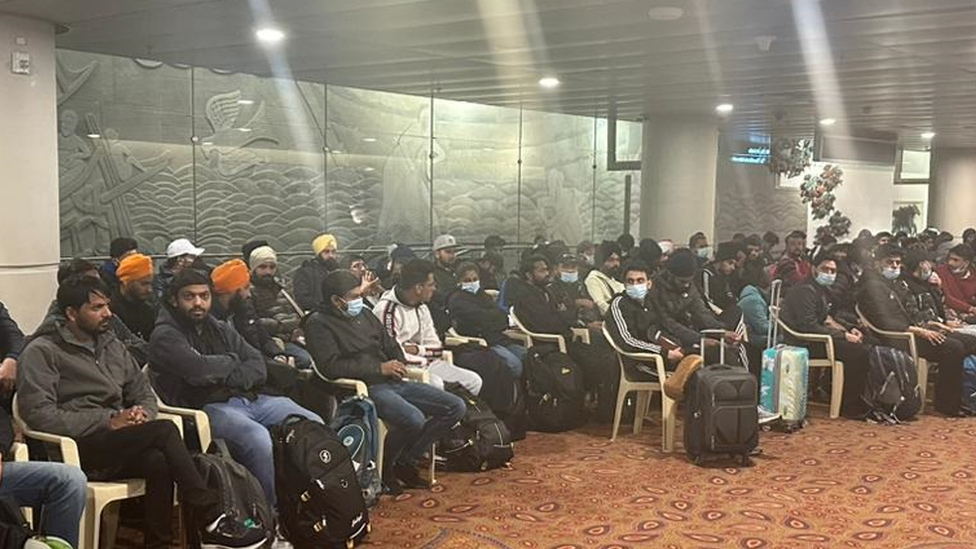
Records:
x=281, y=543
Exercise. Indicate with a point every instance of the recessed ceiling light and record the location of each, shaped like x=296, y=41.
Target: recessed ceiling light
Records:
x=207, y=143
x=369, y=140
x=269, y=35
x=928, y=135
x=549, y=82
x=94, y=135
x=369, y=169
x=245, y=101
x=665, y=13
x=828, y=121
x=243, y=129
x=725, y=108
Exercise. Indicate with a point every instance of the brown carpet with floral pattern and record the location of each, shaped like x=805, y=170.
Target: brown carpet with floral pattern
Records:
x=837, y=483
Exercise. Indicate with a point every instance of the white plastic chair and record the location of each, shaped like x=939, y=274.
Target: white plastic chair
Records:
x=530, y=337
x=419, y=375
x=836, y=366
x=100, y=494
x=454, y=339
x=644, y=390
x=920, y=362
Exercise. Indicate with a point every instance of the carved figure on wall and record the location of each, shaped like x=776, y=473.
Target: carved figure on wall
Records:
x=70, y=80
x=406, y=184
x=225, y=147
x=563, y=208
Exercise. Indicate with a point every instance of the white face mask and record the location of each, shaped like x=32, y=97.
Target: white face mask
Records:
x=666, y=246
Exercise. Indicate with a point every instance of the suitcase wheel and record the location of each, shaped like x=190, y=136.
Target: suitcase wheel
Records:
x=745, y=461
x=350, y=544
x=698, y=460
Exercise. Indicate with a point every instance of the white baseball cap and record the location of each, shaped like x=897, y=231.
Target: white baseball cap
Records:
x=443, y=242
x=182, y=246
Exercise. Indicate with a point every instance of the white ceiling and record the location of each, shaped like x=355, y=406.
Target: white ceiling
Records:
x=898, y=66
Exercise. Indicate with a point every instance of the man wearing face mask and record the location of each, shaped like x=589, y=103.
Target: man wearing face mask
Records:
x=474, y=314
x=887, y=302
x=586, y=253
x=347, y=341
x=793, y=267
x=570, y=296
x=637, y=325
x=698, y=244
x=602, y=283
x=806, y=309
x=405, y=315
x=308, y=278
x=959, y=281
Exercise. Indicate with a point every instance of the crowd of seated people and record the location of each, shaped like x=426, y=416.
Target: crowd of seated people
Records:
x=214, y=338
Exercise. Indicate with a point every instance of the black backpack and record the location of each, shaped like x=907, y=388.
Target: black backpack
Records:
x=554, y=391
x=891, y=392
x=14, y=528
x=480, y=441
x=320, y=502
x=241, y=495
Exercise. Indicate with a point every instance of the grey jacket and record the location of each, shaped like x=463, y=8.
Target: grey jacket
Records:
x=69, y=387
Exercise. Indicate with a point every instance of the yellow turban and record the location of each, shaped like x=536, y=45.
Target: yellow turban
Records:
x=230, y=276
x=134, y=267
x=324, y=241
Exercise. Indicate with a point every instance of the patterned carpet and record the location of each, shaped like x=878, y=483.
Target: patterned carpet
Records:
x=837, y=483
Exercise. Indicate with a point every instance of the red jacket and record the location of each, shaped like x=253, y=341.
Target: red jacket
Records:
x=959, y=290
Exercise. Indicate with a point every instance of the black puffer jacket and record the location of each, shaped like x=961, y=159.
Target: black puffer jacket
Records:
x=308, y=282
x=686, y=307
x=274, y=311
x=476, y=315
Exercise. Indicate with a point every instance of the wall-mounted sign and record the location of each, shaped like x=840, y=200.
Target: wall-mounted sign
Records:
x=752, y=155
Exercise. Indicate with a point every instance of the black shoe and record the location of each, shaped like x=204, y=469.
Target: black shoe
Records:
x=409, y=477
x=228, y=533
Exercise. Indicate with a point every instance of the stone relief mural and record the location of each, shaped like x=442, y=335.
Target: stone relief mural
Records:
x=160, y=151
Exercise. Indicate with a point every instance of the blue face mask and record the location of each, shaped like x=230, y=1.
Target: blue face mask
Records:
x=890, y=273
x=569, y=277
x=637, y=291
x=826, y=279
x=472, y=287
x=704, y=253
x=354, y=307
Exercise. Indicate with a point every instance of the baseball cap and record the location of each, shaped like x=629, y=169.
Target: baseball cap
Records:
x=443, y=242
x=182, y=246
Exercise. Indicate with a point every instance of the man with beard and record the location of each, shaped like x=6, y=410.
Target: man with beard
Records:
x=445, y=258
x=308, y=278
x=133, y=301
x=201, y=362
x=888, y=303
x=232, y=292
x=180, y=254
x=794, y=267
x=78, y=380
x=274, y=309
x=959, y=281
x=602, y=283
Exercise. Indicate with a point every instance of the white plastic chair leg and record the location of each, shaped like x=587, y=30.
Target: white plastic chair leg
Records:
x=923, y=381
x=618, y=413
x=837, y=389
x=643, y=402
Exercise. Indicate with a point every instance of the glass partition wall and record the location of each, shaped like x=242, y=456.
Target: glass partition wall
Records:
x=157, y=152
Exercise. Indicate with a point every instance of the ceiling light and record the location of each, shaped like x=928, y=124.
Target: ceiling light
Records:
x=368, y=169
x=94, y=135
x=724, y=108
x=665, y=13
x=549, y=82
x=828, y=121
x=369, y=140
x=245, y=101
x=243, y=129
x=928, y=135
x=207, y=143
x=269, y=35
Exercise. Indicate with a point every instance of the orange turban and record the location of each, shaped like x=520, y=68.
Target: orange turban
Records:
x=230, y=276
x=134, y=267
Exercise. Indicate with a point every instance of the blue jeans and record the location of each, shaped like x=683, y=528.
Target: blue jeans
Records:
x=59, y=489
x=513, y=355
x=405, y=408
x=303, y=360
x=243, y=424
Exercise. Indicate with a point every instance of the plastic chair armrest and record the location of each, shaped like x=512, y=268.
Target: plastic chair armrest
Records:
x=354, y=384
x=69, y=448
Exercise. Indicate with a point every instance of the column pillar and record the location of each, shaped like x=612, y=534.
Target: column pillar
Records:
x=678, y=165
x=952, y=189
x=29, y=226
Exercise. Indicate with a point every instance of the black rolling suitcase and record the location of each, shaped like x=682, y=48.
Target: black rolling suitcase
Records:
x=720, y=413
